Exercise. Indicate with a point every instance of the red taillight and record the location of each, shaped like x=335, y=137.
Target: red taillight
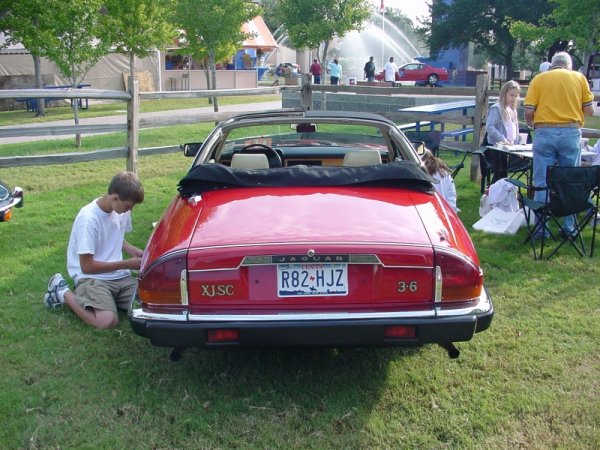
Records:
x=222, y=335
x=6, y=215
x=163, y=282
x=400, y=332
x=461, y=279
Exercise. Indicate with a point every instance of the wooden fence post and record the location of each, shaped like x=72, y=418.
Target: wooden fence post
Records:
x=306, y=93
x=481, y=109
x=133, y=124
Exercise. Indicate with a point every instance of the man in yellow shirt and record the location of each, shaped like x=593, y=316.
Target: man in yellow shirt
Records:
x=555, y=105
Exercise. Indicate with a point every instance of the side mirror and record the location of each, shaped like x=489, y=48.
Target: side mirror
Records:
x=419, y=147
x=191, y=149
x=18, y=193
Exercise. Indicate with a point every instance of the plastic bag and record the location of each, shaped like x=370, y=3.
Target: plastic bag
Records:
x=484, y=206
x=498, y=221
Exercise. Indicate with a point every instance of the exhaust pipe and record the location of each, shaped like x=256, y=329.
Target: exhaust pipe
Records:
x=175, y=354
x=453, y=352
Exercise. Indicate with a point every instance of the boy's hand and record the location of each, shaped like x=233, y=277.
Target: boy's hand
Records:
x=133, y=263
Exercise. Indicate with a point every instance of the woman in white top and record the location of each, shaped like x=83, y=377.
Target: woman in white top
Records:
x=502, y=127
x=439, y=171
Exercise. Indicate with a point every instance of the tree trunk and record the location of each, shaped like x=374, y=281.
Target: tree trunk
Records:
x=39, y=84
x=131, y=66
x=213, y=71
x=509, y=62
x=324, y=61
x=75, y=107
x=207, y=76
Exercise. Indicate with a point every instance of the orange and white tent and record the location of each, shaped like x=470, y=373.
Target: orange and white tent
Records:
x=260, y=37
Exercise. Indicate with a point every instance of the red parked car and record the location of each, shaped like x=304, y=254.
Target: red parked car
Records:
x=419, y=73
x=308, y=229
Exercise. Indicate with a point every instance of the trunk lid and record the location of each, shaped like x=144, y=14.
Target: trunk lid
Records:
x=234, y=259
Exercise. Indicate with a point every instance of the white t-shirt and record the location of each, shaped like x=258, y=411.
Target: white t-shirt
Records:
x=445, y=187
x=511, y=128
x=101, y=234
x=389, y=71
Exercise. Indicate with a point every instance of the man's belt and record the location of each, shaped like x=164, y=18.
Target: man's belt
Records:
x=558, y=125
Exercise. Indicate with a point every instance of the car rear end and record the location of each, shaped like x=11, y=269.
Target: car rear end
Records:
x=310, y=266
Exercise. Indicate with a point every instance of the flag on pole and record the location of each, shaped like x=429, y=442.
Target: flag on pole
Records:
x=381, y=8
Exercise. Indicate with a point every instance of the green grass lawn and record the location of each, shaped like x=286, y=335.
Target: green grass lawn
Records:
x=531, y=381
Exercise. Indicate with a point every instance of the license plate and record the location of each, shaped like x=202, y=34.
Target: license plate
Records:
x=303, y=280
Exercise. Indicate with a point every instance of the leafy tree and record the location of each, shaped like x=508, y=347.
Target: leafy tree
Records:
x=313, y=24
x=75, y=38
x=21, y=21
x=485, y=23
x=212, y=31
x=269, y=15
x=137, y=27
x=572, y=22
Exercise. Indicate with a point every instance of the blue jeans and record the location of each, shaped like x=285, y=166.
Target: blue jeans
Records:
x=555, y=146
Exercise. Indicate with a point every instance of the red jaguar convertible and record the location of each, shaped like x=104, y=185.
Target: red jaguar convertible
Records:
x=418, y=73
x=308, y=229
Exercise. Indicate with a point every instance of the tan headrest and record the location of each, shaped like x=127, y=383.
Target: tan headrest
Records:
x=362, y=158
x=249, y=161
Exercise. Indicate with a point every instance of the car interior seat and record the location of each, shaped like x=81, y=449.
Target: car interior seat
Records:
x=362, y=158
x=249, y=161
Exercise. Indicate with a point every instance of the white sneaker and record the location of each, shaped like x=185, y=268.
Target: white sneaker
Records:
x=55, y=296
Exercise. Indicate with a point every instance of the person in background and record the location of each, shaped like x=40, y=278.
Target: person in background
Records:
x=315, y=71
x=502, y=127
x=555, y=105
x=370, y=70
x=439, y=171
x=544, y=65
x=452, y=71
x=95, y=263
x=279, y=70
x=335, y=72
x=389, y=70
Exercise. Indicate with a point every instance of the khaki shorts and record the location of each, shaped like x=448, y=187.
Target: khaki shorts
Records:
x=107, y=295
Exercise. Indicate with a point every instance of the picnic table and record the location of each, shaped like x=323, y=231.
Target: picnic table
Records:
x=31, y=103
x=443, y=108
x=523, y=152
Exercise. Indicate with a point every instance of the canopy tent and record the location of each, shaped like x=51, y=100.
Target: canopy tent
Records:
x=16, y=48
x=261, y=37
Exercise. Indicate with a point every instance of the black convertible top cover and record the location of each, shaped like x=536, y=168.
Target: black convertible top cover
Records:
x=208, y=177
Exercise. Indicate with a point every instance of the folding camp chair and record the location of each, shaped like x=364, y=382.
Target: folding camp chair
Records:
x=514, y=166
x=485, y=168
x=570, y=191
x=431, y=139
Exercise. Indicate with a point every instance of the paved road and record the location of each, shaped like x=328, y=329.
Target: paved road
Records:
x=122, y=119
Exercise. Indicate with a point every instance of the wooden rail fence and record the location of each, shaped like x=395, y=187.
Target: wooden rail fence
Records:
x=135, y=122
